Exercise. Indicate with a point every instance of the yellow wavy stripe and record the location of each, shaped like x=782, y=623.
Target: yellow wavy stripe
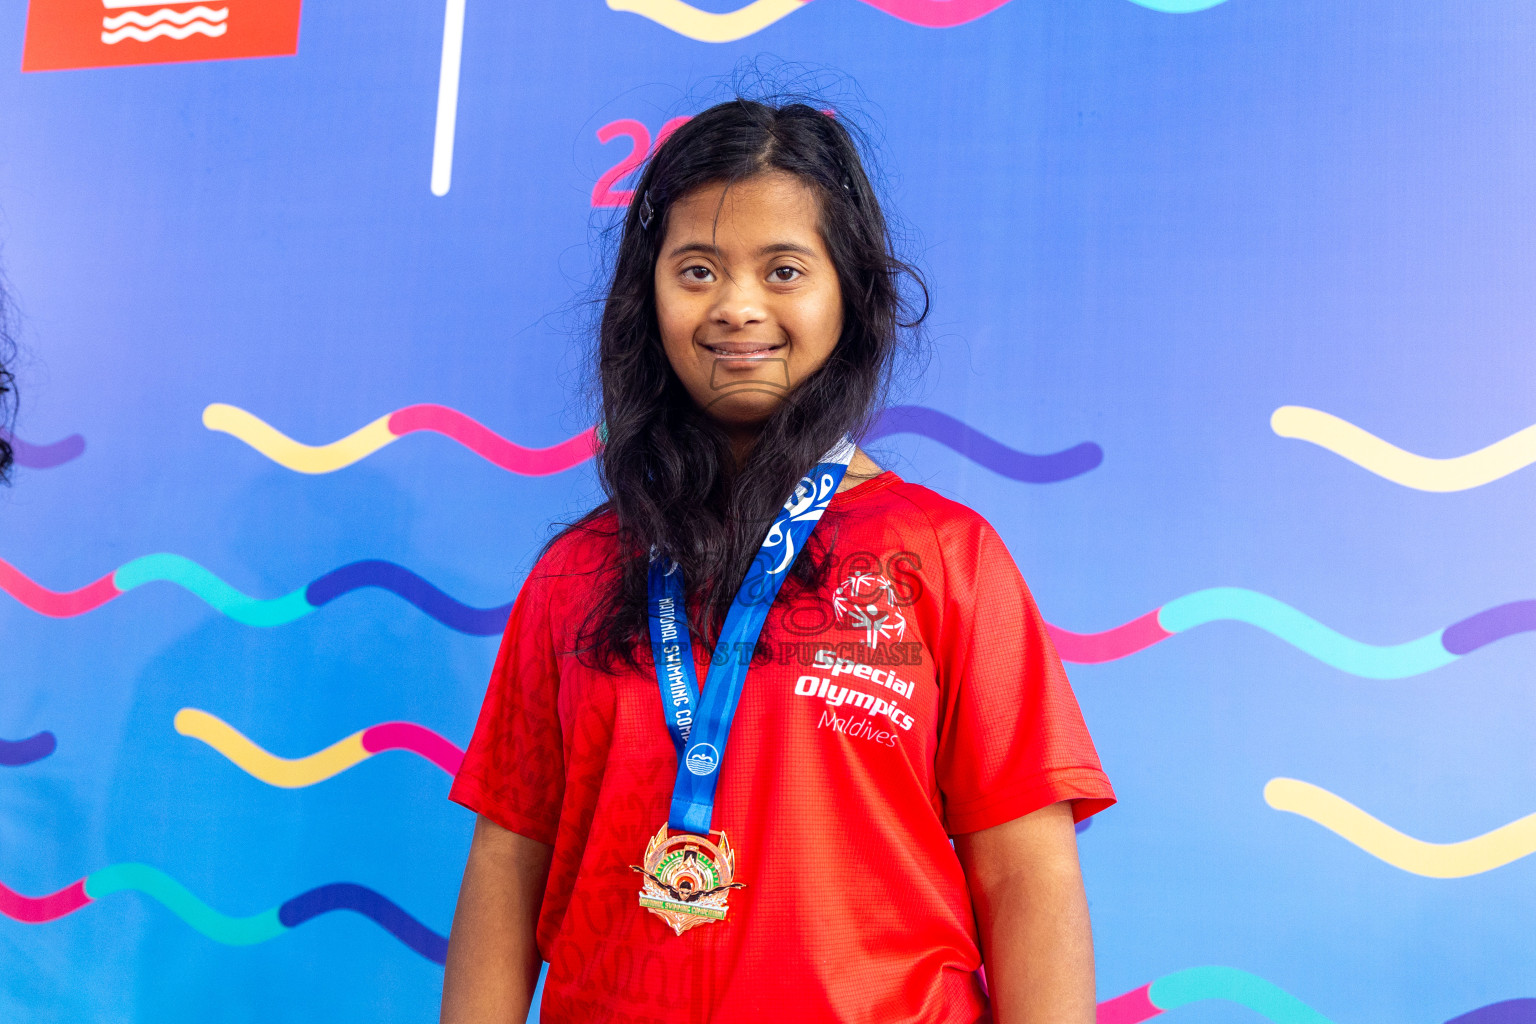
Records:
x=686, y=19
x=285, y=451
x=1420, y=472
x=1433, y=860
x=290, y=773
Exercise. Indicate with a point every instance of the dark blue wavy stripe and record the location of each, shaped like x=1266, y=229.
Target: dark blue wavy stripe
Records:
x=402, y=582
x=983, y=450
x=363, y=900
x=1510, y=1011
x=1484, y=628
x=45, y=456
x=15, y=753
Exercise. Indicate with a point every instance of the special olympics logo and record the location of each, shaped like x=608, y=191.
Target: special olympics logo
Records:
x=703, y=759
x=867, y=601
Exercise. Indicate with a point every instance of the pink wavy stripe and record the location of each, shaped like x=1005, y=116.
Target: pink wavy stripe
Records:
x=1135, y=1005
x=490, y=445
x=51, y=602
x=937, y=13
x=418, y=739
x=1091, y=648
x=37, y=909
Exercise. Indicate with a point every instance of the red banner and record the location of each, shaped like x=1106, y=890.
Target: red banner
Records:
x=105, y=33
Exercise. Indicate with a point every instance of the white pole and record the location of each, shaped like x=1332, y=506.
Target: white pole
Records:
x=447, y=97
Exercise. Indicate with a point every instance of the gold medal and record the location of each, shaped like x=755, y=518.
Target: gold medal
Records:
x=687, y=878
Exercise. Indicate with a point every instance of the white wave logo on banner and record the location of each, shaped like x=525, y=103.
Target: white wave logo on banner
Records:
x=141, y=26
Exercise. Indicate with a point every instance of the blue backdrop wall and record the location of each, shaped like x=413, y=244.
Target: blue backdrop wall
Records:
x=1230, y=305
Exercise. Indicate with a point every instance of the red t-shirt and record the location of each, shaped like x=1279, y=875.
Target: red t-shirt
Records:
x=945, y=711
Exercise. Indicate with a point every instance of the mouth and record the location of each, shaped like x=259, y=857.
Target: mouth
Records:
x=742, y=349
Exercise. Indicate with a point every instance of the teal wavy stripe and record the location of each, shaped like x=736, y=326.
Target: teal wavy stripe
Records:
x=232, y=931
x=1200, y=983
x=1305, y=633
x=217, y=594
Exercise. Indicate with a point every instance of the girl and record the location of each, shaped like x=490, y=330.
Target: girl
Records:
x=898, y=691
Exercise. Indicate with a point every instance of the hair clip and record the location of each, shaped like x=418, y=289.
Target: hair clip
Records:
x=647, y=211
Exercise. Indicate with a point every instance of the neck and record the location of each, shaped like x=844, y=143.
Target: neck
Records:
x=743, y=438
x=860, y=469
x=742, y=441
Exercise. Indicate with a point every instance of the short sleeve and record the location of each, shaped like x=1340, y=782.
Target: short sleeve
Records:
x=514, y=769
x=1011, y=736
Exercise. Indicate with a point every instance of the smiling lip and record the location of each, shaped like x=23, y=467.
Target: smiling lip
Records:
x=742, y=349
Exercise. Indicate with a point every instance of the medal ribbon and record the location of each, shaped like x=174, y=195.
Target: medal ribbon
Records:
x=701, y=724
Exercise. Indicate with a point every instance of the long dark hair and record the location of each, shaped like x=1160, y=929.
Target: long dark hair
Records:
x=667, y=469
x=7, y=385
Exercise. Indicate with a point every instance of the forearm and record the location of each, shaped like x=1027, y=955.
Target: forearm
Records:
x=1036, y=940
x=493, y=960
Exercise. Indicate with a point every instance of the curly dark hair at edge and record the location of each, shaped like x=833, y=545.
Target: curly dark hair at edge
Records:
x=7, y=387
x=671, y=480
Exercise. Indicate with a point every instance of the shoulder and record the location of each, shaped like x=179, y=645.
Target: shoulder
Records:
x=950, y=543
x=952, y=523
x=973, y=560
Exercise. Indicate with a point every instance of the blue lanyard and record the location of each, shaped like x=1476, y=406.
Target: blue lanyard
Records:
x=699, y=725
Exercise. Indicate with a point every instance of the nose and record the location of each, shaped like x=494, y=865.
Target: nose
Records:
x=737, y=304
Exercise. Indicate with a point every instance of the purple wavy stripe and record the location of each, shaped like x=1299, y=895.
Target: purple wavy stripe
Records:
x=983, y=450
x=15, y=753
x=363, y=900
x=402, y=582
x=45, y=456
x=1510, y=1011
x=1486, y=627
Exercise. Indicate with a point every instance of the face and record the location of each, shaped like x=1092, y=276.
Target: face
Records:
x=747, y=296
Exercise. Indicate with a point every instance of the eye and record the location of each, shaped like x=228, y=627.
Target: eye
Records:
x=699, y=273
x=784, y=275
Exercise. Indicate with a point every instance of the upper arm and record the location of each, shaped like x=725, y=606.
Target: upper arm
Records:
x=493, y=956
x=1026, y=851
x=1032, y=916
x=506, y=868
